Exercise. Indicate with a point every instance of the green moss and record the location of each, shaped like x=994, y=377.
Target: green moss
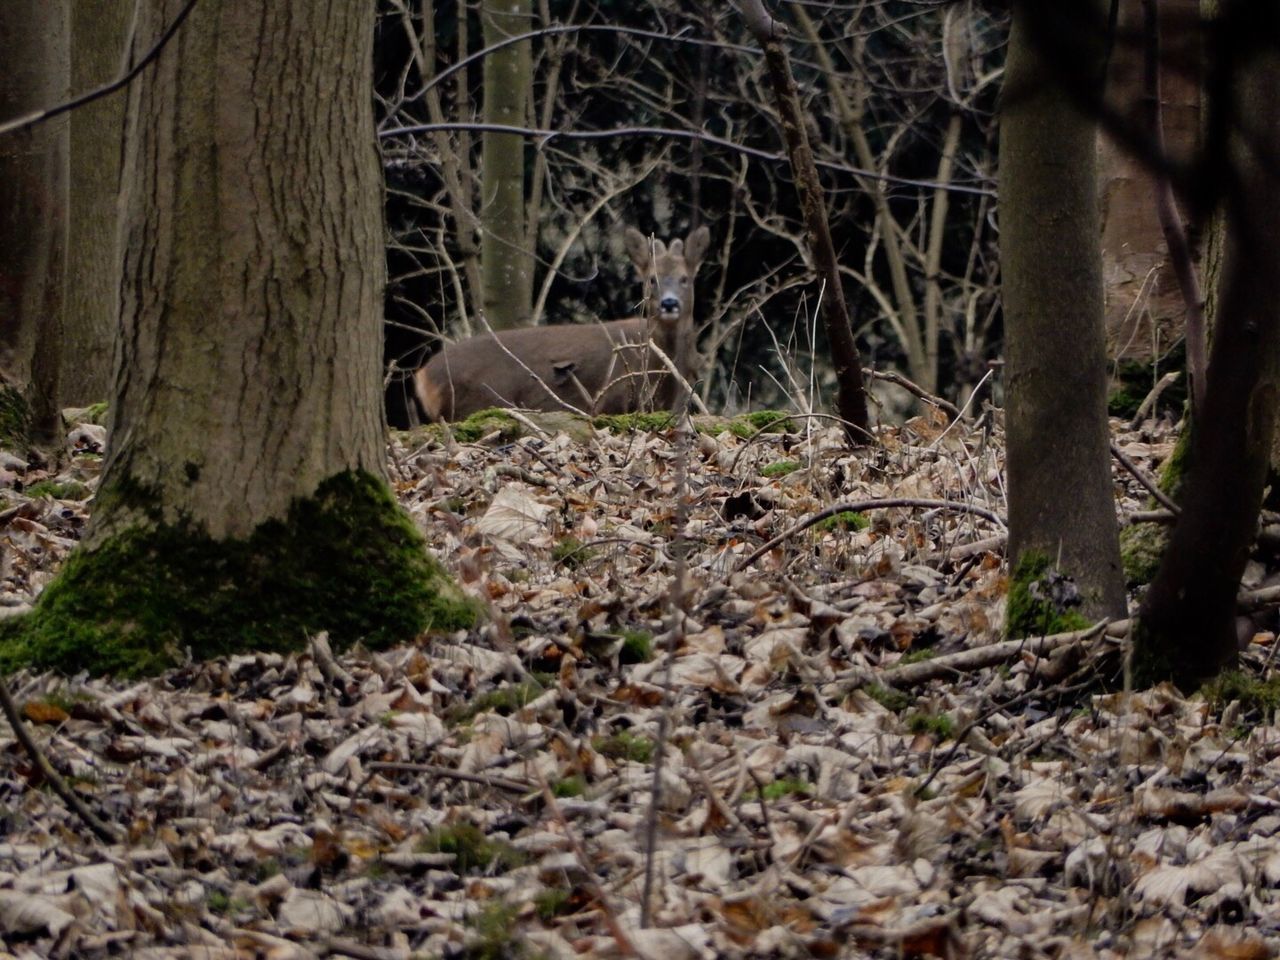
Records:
x=625, y=746
x=780, y=469
x=1173, y=472
x=918, y=656
x=494, y=936
x=888, y=697
x=1029, y=612
x=96, y=413
x=59, y=490
x=1235, y=686
x=637, y=647
x=1141, y=548
x=747, y=425
x=15, y=419
x=937, y=725
x=635, y=422
x=473, y=852
x=504, y=701
x=845, y=520
x=569, y=787
x=549, y=904
x=780, y=789
x=347, y=560
x=484, y=422
x=570, y=552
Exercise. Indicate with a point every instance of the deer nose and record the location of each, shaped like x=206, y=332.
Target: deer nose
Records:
x=669, y=304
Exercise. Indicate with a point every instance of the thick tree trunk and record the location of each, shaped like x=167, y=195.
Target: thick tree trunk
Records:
x=34, y=74
x=505, y=264
x=98, y=36
x=1061, y=506
x=249, y=365
x=1187, y=620
x=242, y=502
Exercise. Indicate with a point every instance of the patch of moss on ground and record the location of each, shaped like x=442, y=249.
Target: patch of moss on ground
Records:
x=59, y=490
x=625, y=746
x=484, y=422
x=747, y=425
x=888, y=697
x=569, y=787
x=1255, y=696
x=781, y=789
x=1141, y=547
x=572, y=553
x=938, y=725
x=504, y=701
x=347, y=560
x=15, y=419
x=473, y=852
x=637, y=647
x=845, y=520
x=780, y=469
x=1029, y=610
x=635, y=422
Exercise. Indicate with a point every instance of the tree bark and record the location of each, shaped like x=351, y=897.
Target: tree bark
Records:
x=249, y=365
x=243, y=502
x=98, y=36
x=1187, y=619
x=1145, y=306
x=1061, y=506
x=34, y=73
x=505, y=263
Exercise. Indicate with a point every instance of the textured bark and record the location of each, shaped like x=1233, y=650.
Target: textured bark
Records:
x=249, y=365
x=34, y=73
x=505, y=263
x=1187, y=619
x=1060, y=499
x=98, y=34
x=1135, y=257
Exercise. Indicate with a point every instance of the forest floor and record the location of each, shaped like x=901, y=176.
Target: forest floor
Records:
x=774, y=754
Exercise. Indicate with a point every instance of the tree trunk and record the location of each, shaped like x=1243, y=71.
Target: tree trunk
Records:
x=34, y=74
x=242, y=501
x=505, y=263
x=1187, y=619
x=1061, y=506
x=98, y=35
x=1145, y=308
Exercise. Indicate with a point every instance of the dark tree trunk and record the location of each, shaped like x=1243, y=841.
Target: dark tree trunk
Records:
x=1061, y=505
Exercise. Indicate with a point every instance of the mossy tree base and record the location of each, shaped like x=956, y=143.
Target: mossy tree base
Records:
x=1041, y=600
x=347, y=560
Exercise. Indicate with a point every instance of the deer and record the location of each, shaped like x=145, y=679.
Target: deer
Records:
x=598, y=368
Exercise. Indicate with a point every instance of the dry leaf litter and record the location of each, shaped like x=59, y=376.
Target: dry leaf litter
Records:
x=493, y=793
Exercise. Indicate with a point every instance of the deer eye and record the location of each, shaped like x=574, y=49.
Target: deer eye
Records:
x=684, y=281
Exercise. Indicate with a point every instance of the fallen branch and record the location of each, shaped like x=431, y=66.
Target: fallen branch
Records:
x=102, y=830
x=1145, y=479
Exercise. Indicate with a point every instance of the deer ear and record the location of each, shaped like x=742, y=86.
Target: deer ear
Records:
x=696, y=247
x=637, y=246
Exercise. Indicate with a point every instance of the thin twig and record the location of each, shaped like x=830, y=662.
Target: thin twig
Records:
x=1145, y=479
x=102, y=830
x=40, y=116
x=856, y=506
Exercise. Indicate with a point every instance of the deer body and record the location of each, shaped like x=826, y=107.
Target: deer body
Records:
x=597, y=368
